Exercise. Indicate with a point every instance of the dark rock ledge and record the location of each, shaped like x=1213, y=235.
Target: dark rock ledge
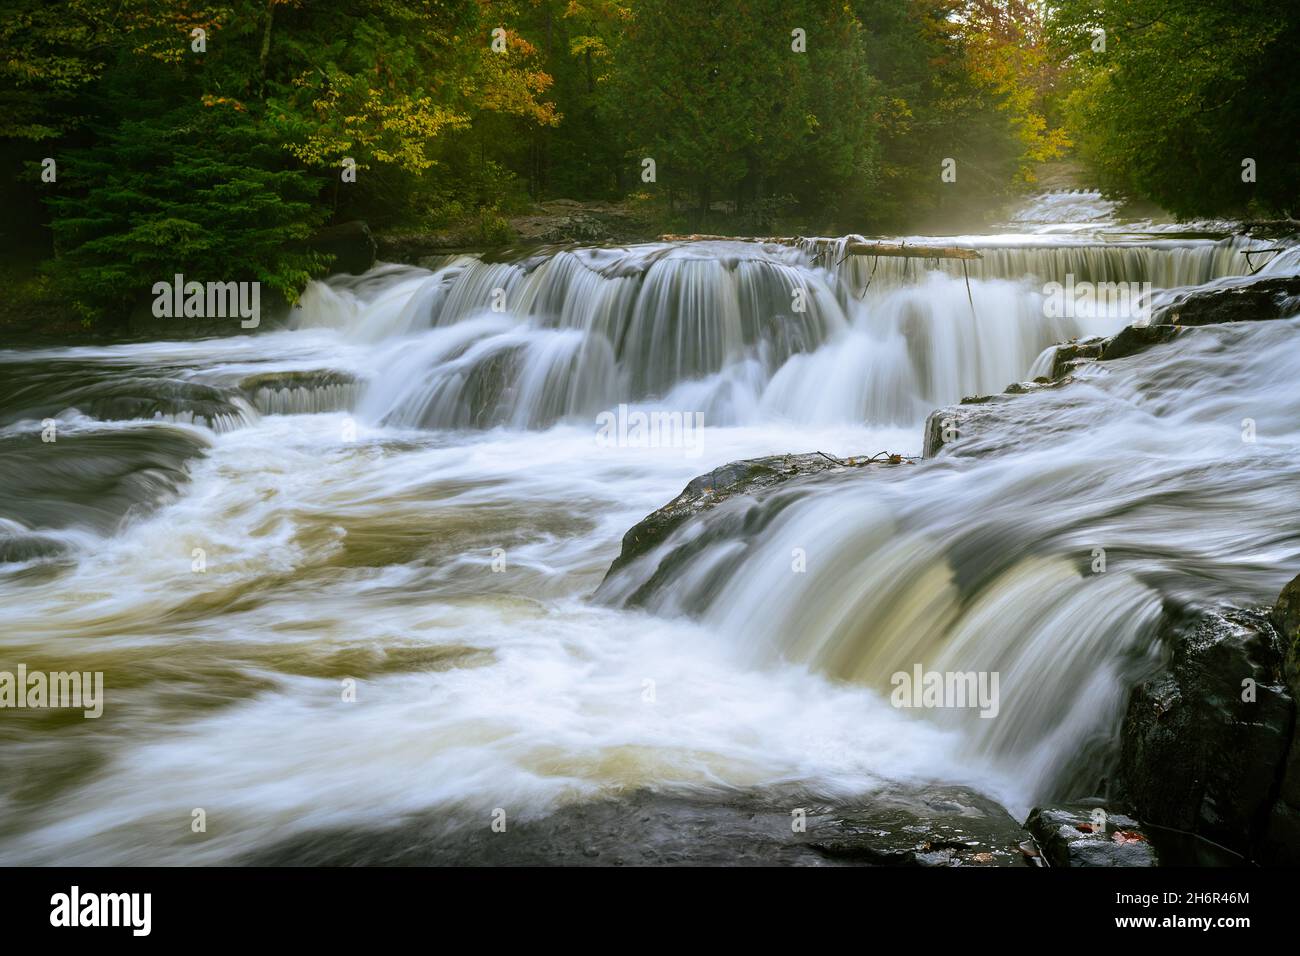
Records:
x=938, y=826
x=1209, y=744
x=753, y=476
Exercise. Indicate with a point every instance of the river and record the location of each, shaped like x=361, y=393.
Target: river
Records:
x=339, y=576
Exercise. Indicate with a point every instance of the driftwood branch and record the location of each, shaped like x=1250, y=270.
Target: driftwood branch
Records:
x=910, y=252
x=895, y=249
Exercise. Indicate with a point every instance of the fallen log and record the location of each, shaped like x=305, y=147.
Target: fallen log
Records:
x=910, y=252
x=894, y=249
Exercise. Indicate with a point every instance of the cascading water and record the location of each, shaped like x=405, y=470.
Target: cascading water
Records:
x=742, y=332
x=406, y=491
x=989, y=564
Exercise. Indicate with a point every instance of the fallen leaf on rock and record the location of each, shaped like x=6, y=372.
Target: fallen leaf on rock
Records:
x=1128, y=836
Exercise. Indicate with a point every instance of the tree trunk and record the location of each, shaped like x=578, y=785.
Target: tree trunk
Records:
x=265, y=53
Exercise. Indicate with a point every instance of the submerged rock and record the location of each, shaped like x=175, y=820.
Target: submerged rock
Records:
x=1204, y=741
x=1077, y=835
x=297, y=392
x=90, y=478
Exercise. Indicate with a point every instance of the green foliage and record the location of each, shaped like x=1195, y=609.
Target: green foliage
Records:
x=727, y=108
x=191, y=192
x=219, y=162
x=1183, y=92
x=492, y=229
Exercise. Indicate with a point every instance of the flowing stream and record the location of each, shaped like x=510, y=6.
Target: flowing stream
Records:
x=341, y=575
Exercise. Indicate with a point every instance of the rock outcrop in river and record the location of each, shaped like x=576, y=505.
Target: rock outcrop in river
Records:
x=652, y=539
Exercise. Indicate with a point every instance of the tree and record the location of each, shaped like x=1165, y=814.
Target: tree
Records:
x=1181, y=94
x=720, y=99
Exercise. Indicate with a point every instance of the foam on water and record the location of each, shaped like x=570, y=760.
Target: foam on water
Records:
x=434, y=532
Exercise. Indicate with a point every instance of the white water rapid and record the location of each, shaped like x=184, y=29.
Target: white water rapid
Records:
x=339, y=575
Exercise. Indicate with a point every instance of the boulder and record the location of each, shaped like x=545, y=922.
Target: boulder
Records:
x=749, y=476
x=1077, y=835
x=351, y=245
x=1283, y=843
x=1286, y=618
x=941, y=826
x=1204, y=741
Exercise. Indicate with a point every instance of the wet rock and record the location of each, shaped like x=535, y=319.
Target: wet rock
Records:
x=351, y=245
x=567, y=220
x=1025, y=388
x=559, y=221
x=748, y=477
x=1070, y=355
x=88, y=478
x=127, y=396
x=1078, y=835
x=942, y=427
x=1286, y=618
x=1134, y=339
x=1204, y=741
x=312, y=378
x=945, y=426
x=1258, y=300
x=1283, y=842
x=944, y=826
x=298, y=392
x=951, y=826
x=18, y=546
x=1275, y=297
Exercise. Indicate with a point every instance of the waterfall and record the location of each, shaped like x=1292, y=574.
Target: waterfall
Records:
x=405, y=489
x=742, y=332
x=1165, y=263
x=989, y=562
